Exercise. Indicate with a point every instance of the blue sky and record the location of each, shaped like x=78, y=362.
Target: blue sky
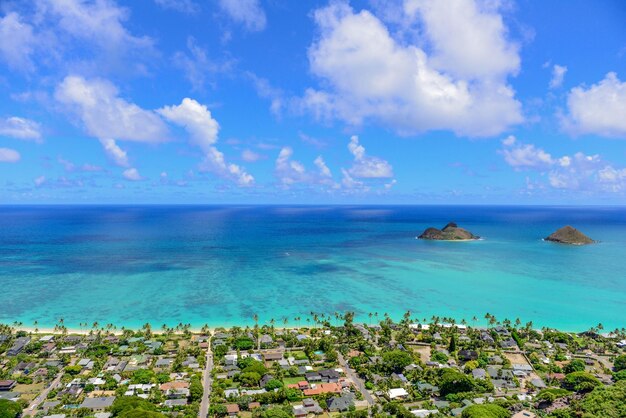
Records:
x=279, y=101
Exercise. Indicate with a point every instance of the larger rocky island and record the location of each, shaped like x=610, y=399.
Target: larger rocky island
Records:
x=451, y=232
x=569, y=235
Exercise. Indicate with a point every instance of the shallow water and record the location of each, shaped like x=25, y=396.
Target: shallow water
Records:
x=220, y=265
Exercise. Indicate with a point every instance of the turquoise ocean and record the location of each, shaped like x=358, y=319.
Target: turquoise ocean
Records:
x=221, y=265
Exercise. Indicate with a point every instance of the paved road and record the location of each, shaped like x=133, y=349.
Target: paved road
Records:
x=207, y=381
x=32, y=408
x=356, y=379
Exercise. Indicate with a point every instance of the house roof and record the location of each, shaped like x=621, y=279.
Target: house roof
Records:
x=98, y=403
x=323, y=388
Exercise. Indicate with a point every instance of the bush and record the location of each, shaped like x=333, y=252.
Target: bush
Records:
x=243, y=343
x=485, y=411
x=576, y=365
x=620, y=363
x=439, y=357
x=273, y=384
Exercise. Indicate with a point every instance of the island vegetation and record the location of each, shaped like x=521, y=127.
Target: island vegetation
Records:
x=569, y=235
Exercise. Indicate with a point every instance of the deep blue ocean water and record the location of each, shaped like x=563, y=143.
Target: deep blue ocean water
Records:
x=220, y=265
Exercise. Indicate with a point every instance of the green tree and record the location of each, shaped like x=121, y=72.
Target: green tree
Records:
x=273, y=384
x=580, y=381
x=453, y=381
x=620, y=363
x=195, y=389
x=9, y=409
x=396, y=360
x=485, y=411
x=127, y=403
x=605, y=402
x=576, y=365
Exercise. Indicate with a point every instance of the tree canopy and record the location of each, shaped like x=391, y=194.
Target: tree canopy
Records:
x=485, y=411
x=9, y=409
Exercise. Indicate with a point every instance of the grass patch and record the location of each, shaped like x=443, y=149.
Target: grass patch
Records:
x=292, y=380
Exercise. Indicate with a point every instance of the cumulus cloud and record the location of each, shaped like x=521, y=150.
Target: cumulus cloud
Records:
x=570, y=172
x=8, y=155
x=246, y=12
x=114, y=152
x=291, y=172
x=558, y=74
x=365, y=166
x=523, y=156
x=20, y=128
x=203, y=129
x=106, y=115
x=322, y=167
x=599, y=109
x=131, y=174
x=17, y=42
x=460, y=85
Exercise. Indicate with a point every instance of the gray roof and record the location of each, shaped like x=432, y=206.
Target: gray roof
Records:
x=98, y=403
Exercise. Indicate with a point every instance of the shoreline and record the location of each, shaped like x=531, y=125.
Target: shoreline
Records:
x=212, y=329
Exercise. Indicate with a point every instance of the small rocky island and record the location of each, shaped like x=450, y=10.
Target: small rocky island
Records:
x=450, y=232
x=569, y=235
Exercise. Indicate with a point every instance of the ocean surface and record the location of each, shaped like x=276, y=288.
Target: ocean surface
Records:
x=221, y=265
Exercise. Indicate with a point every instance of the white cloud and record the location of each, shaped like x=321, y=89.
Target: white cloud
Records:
x=99, y=22
x=131, y=174
x=74, y=35
x=39, y=181
x=365, y=166
x=322, y=167
x=289, y=171
x=558, y=74
x=20, y=128
x=203, y=129
x=17, y=42
x=599, y=109
x=183, y=6
x=114, y=152
x=266, y=91
x=71, y=167
x=247, y=12
x=196, y=118
x=106, y=115
x=250, y=156
x=370, y=75
x=578, y=172
x=469, y=39
x=523, y=156
x=196, y=64
x=8, y=155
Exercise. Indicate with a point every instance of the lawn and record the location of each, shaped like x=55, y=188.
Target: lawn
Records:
x=292, y=380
